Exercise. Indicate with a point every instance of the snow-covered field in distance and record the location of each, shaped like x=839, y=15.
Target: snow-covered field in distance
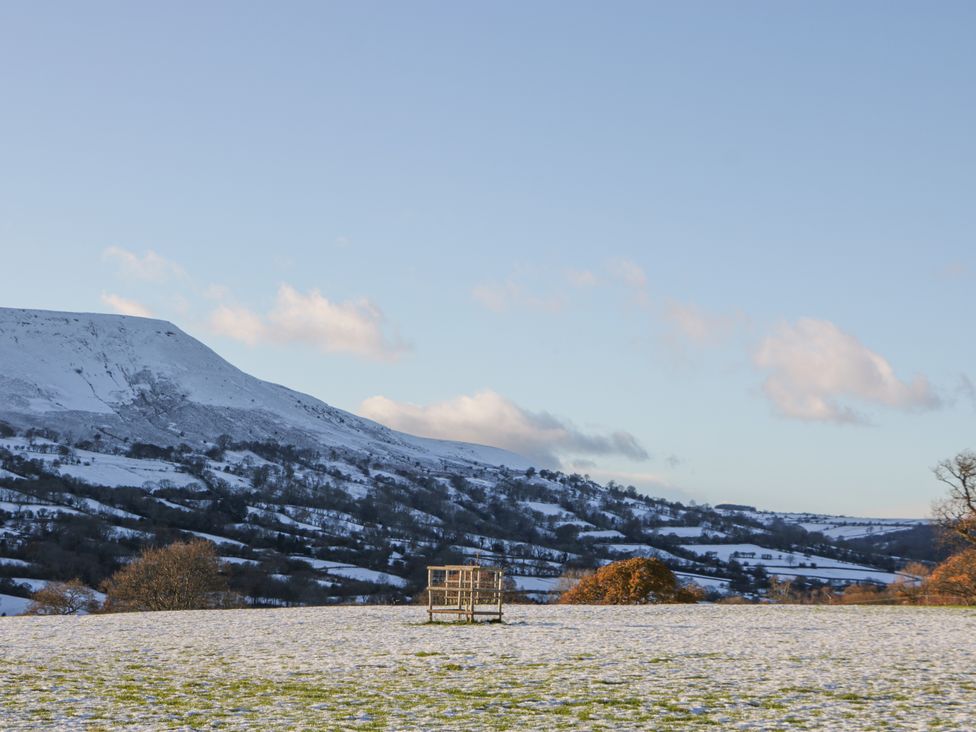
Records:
x=621, y=668
x=830, y=525
x=793, y=564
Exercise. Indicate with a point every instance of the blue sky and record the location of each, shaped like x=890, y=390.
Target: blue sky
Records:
x=719, y=251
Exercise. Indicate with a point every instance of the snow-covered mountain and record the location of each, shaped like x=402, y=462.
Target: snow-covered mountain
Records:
x=129, y=455
x=145, y=380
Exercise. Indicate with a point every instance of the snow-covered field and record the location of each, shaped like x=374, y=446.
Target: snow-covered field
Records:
x=633, y=668
x=787, y=565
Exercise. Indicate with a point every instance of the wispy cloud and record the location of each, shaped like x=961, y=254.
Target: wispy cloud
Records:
x=148, y=266
x=356, y=326
x=815, y=368
x=699, y=327
x=581, y=278
x=632, y=276
x=500, y=297
x=487, y=418
x=125, y=306
x=552, y=291
x=955, y=271
x=628, y=272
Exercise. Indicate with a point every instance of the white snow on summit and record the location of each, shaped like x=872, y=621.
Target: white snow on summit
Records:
x=146, y=380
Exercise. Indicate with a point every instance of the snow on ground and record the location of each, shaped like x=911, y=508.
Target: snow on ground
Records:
x=216, y=539
x=170, y=504
x=123, y=532
x=709, y=583
x=603, y=534
x=546, y=667
x=837, y=527
x=100, y=468
x=22, y=503
x=325, y=564
x=10, y=605
x=116, y=471
x=689, y=532
x=351, y=571
x=10, y=562
x=244, y=457
x=787, y=564
x=33, y=509
x=234, y=482
x=238, y=560
x=535, y=584
x=853, y=531
x=33, y=584
x=9, y=475
x=90, y=505
x=572, y=522
x=546, y=509
x=281, y=518
x=368, y=575
x=641, y=550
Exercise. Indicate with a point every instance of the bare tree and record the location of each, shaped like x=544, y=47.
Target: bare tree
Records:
x=62, y=598
x=956, y=513
x=181, y=576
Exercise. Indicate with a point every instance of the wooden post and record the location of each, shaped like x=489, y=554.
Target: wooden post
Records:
x=430, y=595
x=471, y=595
x=501, y=589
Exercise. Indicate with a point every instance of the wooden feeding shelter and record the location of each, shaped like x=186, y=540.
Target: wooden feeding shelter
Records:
x=466, y=591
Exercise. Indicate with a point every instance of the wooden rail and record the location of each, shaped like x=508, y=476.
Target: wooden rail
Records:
x=466, y=591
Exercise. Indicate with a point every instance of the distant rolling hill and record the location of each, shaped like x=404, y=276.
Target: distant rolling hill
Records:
x=118, y=432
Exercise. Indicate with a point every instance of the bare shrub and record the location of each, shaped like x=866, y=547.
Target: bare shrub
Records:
x=62, y=598
x=181, y=576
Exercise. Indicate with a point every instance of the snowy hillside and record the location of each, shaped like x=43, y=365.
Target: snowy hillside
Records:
x=120, y=432
x=132, y=379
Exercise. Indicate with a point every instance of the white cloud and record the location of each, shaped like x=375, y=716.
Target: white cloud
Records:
x=356, y=326
x=238, y=323
x=628, y=272
x=149, y=266
x=124, y=306
x=814, y=368
x=488, y=418
x=501, y=297
x=699, y=327
x=581, y=278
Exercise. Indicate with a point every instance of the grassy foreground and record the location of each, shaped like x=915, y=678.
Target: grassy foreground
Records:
x=623, y=668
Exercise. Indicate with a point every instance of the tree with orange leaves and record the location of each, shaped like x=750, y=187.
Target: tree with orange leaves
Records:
x=955, y=579
x=637, y=581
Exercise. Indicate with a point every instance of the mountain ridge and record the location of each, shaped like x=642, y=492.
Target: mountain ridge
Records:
x=142, y=379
